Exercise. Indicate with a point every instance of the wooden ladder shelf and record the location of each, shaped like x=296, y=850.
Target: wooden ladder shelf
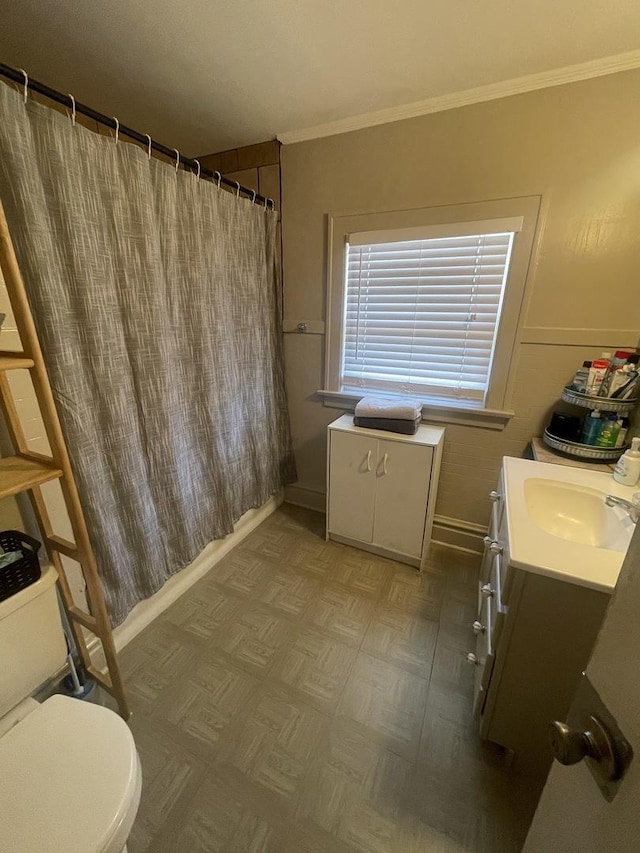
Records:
x=27, y=471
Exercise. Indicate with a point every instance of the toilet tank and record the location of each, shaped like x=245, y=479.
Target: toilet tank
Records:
x=32, y=643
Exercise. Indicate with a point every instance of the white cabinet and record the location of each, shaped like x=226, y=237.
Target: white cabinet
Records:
x=382, y=489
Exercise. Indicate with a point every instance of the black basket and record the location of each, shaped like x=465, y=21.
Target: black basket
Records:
x=23, y=572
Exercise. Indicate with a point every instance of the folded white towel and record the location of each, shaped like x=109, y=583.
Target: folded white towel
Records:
x=400, y=408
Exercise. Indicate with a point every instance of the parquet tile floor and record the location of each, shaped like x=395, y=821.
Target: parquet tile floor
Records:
x=308, y=697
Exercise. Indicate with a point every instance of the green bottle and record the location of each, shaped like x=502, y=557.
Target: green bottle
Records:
x=609, y=432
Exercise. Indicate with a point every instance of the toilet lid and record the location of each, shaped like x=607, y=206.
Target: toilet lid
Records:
x=68, y=774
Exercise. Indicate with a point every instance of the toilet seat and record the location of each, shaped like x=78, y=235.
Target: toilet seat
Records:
x=69, y=780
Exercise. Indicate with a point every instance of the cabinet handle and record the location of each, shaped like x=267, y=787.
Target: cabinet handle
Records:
x=478, y=627
x=384, y=463
x=369, y=461
x=487, y=591
x=471, y=658
x=488, y=541
x=494, y=496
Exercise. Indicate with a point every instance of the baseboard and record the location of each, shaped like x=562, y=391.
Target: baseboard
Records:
x=306, y=497
x=146, y=611
x=458, y=534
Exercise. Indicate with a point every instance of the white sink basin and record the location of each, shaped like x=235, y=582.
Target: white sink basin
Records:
x=559, y=525
x=576, y=513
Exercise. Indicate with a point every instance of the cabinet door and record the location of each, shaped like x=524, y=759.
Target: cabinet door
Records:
x=352, y=485
x=403, y=472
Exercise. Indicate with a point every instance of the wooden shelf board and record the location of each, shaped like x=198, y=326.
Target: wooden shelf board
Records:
x=15, y=362
x=18, y=474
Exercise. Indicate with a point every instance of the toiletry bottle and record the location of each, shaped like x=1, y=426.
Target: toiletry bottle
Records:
x=617, y=362
x=597, y=372
x=623, y=424
x=581, y=378
x=591, y=428
x=619, y=378
x=627, y=470
x=609, y=432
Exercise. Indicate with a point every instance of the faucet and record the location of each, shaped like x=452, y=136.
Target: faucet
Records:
x=632, y=508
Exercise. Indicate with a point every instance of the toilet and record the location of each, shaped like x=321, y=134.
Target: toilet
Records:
x=70, y=776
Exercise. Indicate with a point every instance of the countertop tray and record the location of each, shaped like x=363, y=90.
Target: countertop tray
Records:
x=583, y=451
x=606, y=404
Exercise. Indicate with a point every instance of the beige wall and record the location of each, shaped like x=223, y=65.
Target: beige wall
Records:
x=578, y=146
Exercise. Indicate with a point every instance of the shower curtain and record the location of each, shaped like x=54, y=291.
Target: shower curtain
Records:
x=157, y=302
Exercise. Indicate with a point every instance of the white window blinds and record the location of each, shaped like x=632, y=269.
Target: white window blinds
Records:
x=421, y=315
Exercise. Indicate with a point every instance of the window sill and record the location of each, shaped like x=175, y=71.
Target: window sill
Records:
x=433, y=412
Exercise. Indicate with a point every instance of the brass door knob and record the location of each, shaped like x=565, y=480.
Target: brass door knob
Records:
x=569, y=746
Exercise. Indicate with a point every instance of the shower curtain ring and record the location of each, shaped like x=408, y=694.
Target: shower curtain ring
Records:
x=219, y=176
x=148, y=146
x=237, y=189
x=26, y=84
x=197, y=162
x=266, y=204
x=253, y=200
x=73, y=109
x=117, y=128
x=177, y=159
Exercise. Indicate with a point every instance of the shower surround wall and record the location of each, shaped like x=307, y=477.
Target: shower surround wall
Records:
x=254, y=166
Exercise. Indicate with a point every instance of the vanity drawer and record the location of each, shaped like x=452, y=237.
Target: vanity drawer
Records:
x=488, y=629
x=483, y=657
x=494, y=573
x=496, y=496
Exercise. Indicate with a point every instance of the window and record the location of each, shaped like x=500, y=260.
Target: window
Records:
x=428, y=309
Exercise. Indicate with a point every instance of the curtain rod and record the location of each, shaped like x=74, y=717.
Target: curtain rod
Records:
x=18, y=76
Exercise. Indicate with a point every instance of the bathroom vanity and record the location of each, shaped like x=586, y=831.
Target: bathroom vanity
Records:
x=551, y=562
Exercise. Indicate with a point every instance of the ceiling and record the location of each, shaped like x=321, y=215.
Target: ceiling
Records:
x=204, y=76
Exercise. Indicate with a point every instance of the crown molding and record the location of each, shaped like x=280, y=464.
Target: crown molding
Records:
x=490, y=92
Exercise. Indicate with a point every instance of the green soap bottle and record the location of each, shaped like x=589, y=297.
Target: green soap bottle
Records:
x=609, y=432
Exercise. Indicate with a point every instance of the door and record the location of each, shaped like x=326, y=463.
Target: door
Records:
x=573, y=816
x=403, y=472
x=352, y=485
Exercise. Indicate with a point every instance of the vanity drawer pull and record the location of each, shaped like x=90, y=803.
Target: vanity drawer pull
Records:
x=478, y=627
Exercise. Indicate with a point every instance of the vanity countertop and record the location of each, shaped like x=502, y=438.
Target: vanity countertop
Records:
x=559, y=525
x=542, y=453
